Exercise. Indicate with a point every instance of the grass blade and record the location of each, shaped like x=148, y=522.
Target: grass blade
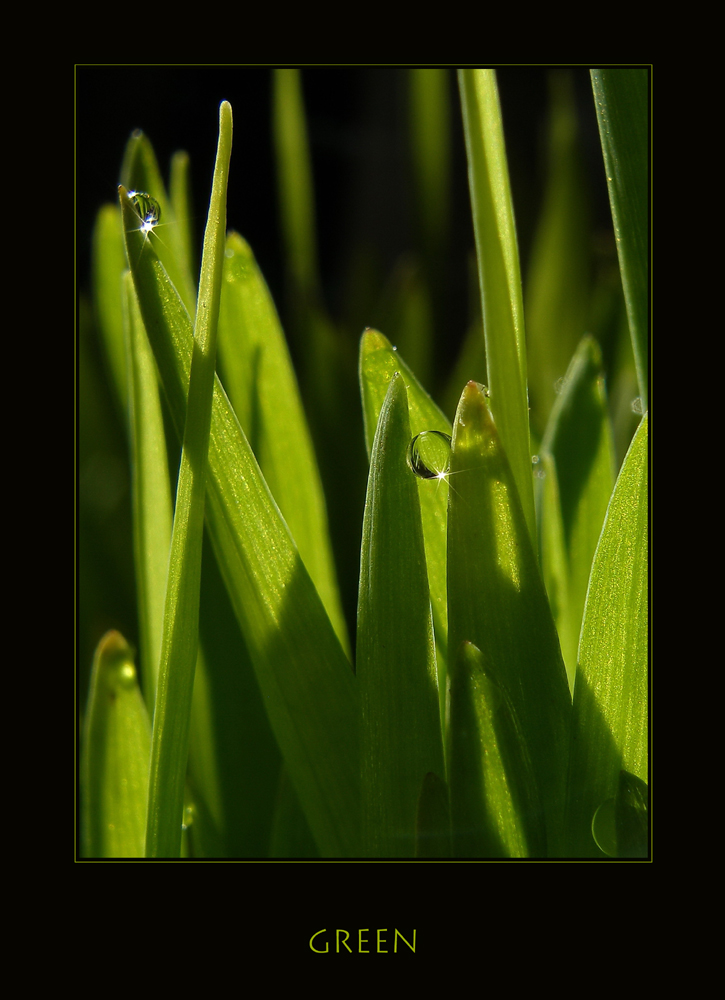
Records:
x=152, y=504
x=621, y=99
x=496, y=599
x=258, y=375
x=116, y=753
x=400, y=728
x=379, y=362
x=499, y=275
x=610, y=720
x=170, y=745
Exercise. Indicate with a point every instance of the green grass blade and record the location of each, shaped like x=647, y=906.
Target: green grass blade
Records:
x=621, y=99
x=307, y=686
x=259, y=378
x=152, y=504
x=181, y=205
x=170, y=745
x=499, y=274
x=558, y=286
x=294, y=169
x=400, y=737
x=116, y=753
x=579, y=439
x=610, y=719
x=495, y=803
x=378, y=364
x=496, y=598
x=109, y=263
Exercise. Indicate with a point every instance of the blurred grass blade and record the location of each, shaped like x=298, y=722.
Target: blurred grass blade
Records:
x=610, y=720
x=378, y=364
x=499, y=275
x=170, y=745
x=259, y=378
x=109, y=263
x=496, y=599
x=116, y=753
x=307, y=686
x=294, y=178
x=152, y=504
x=495, y=804
x=579, y=438
x=140, y=172
x=181, y=205
x=433, y=820
x=558, y=288
x=400, y=736
x=621, y=99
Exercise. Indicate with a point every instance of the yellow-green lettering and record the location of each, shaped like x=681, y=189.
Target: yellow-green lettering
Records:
x=317, y=949
x=399, y=935
x=382, y=951
x=360, y=942
x=344, y=942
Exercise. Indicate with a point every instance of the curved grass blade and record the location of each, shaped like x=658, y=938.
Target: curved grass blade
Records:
x=307, y=686
x=170, y=744
x=259, y=378
x=400, y=735
x=621, y=99
x=610, y=718
x=116, y=753
x=109, y=264
x=496, y=599
x=499, y=274
x=379, y=363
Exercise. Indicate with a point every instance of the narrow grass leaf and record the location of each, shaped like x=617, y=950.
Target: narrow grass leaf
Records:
x=109, y=263
x=307, y=686
x=621, y=100
x=379, y=362
x=610, y=718
x=170, y=745
x=497, y=601
x=181, y=205
x=579, y=439
x=116, y=754
x=260, y=381
x=499, y=274
x=152, y=504
x=558, y=286
x=400, y=725
x=495, y=803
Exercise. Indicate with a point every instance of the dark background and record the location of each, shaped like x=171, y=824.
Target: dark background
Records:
x=357, y=123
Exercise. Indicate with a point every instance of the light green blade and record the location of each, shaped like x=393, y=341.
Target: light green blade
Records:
x=180, y=636
x=496, y=599
x=260, y=381
x=115, y=756
x=499, y=274
x=610, y=720
x=400, y=735
x=308, y=688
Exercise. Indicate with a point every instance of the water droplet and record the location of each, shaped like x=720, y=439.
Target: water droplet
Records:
x=604, y=828
x=535, y=460
x=429, y=454
x=637, y=405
